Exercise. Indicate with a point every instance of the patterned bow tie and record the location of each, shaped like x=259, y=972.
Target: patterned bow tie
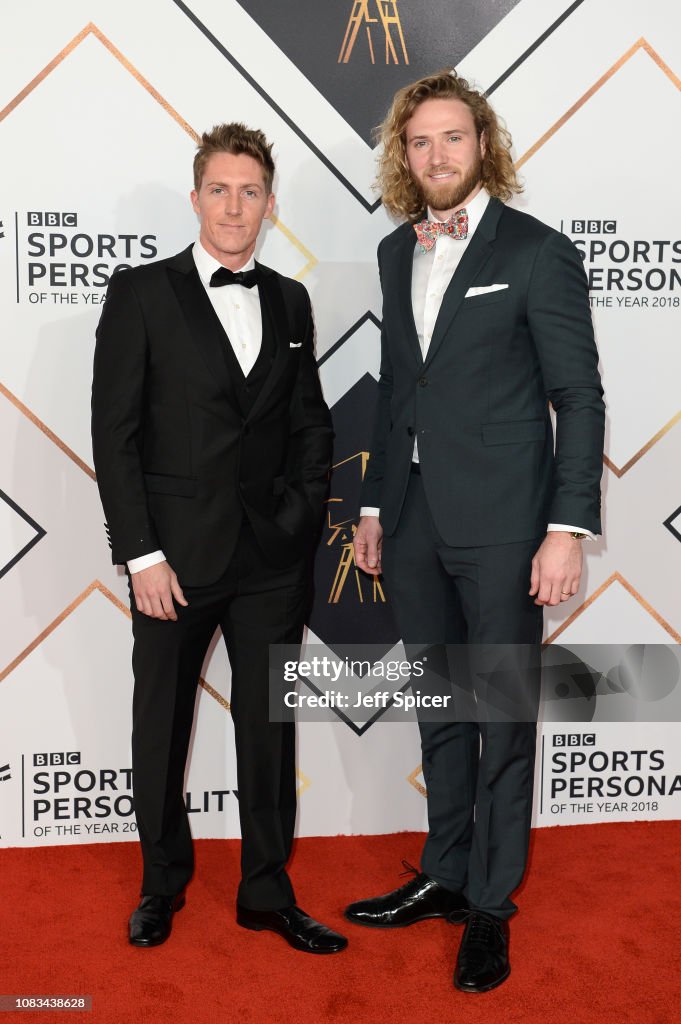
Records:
x=223, y=276
x=428, y=231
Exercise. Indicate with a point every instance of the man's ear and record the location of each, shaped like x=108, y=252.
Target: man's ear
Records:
x=271, y=199
x=483, y=144
x=194, y=196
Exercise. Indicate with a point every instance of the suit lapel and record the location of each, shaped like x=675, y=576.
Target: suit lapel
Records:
x=201, y=319
x=208, y=335
x=273, y=308
x=404, y=274
x=473, y=260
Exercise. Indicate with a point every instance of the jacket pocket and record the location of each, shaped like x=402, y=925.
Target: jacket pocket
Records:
x=513, y=431
x=180, y=486
x=486, y=299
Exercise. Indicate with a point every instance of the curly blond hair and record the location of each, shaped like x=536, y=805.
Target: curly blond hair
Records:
x=400, y=194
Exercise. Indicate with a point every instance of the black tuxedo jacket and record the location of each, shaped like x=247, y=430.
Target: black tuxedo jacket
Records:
x=478, y=403
x=178, y=460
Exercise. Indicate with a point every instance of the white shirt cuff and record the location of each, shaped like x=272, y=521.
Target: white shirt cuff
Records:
x=145, y=561
x=560, y=528
x=367, y=511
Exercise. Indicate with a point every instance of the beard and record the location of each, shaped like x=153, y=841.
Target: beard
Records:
x=450, y=196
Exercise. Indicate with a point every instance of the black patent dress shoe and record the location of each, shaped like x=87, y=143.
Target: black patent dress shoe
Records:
x=417, y=900
x=151, y=923
x=482, y=963
x=299, y=929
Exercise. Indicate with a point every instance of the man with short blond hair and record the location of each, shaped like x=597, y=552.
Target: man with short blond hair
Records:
x=212, y=445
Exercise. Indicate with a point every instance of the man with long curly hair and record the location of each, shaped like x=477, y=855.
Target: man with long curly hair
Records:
x=472, y=517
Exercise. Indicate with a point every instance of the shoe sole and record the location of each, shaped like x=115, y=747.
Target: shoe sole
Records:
x=483, y=988
x=404, y=924
x=150, y=943
x=294, y=945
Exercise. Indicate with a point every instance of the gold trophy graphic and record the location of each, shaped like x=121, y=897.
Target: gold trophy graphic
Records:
x=341, y=533
x=389, y=20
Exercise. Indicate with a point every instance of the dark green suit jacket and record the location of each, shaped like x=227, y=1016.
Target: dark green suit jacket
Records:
x=479, y=403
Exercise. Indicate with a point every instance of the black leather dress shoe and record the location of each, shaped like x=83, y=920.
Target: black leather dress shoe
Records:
x=482, y=963
x=151, y=923
x=416, y=900
x=294, y=925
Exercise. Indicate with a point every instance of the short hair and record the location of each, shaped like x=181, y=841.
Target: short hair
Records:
x=399, y=193
x=234, y=138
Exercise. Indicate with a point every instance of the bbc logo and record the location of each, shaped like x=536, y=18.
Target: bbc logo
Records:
x=594, y=227
x=574, y=739
x=38, y=219
x=66, y=757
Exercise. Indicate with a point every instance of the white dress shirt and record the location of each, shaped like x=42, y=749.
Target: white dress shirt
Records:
x=238, y=310
x=432, y=272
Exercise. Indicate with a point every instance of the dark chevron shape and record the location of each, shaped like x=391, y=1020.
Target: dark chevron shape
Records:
x=335, y=53
x=669, y=523
x=359, y=98
x=348, y=334
x=358, y=730
x=39, y=533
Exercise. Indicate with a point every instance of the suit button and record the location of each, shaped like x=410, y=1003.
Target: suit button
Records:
x=410, y=431
x=423, y=381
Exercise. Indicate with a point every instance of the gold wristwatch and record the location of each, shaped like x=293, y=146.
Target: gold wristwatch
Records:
x=578, y=536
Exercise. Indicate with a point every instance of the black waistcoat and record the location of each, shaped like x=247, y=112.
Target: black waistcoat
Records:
x=247, y=388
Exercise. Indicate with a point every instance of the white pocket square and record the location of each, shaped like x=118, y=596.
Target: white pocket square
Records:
x=484, y=290
x=295, y=344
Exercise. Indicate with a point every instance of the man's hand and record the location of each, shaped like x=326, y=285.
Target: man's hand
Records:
x=367, y=544
x=556, y=569
x=154, y=589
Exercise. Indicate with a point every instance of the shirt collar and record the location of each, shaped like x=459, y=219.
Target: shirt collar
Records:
x=475, y=209
x=207, y=264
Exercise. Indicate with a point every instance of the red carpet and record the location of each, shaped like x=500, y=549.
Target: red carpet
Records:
x=596, y=939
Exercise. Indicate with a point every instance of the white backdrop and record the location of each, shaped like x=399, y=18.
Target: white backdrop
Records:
x=100, y=106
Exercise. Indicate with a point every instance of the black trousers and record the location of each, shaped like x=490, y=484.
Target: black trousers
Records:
x=479, y=774
x=254, y=605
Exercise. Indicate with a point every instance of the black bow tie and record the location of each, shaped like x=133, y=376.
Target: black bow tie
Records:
x=223, y=276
